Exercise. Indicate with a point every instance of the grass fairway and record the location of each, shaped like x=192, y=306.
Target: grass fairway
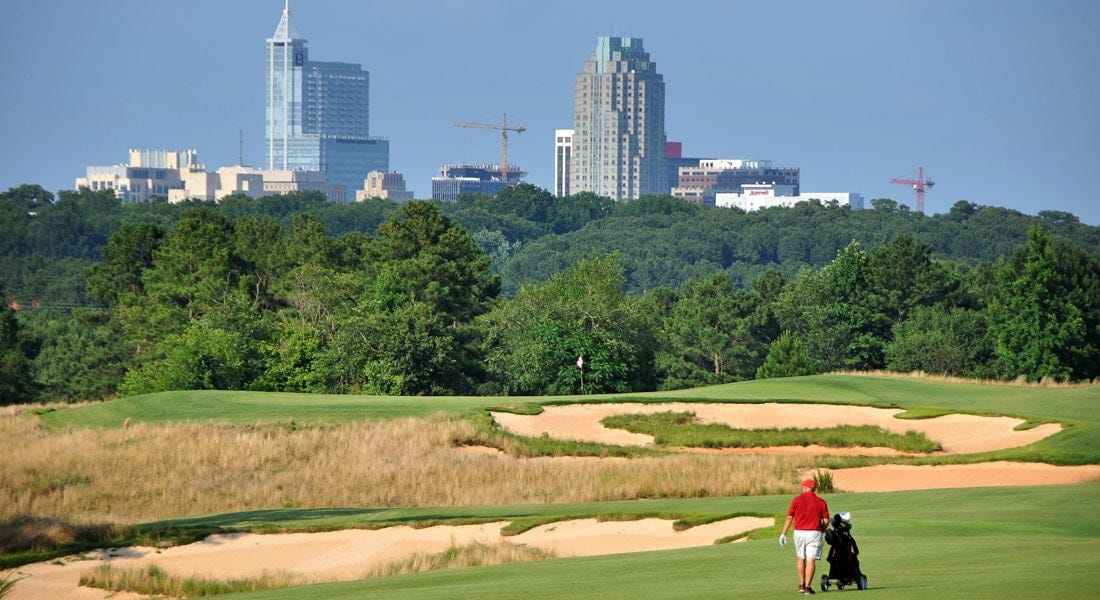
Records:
x=969, y=543
x=1078, y=407
x=250, y=407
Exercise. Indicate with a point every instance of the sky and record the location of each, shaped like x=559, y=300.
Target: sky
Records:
x=998, y=100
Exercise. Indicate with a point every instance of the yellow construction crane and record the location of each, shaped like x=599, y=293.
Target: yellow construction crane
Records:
x=504, y=129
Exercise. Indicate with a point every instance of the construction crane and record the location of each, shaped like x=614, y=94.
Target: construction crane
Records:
x=920, y=185
x=504, y=129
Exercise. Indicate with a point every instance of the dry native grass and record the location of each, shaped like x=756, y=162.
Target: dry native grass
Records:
x=1019, y=381
x=150, y=472
x=455, y=557
x=155, y=581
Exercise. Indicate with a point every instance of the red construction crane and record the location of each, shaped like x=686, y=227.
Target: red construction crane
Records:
x=504, y=129
x=920, y=185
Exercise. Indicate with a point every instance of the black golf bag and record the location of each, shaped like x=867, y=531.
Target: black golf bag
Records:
x=843, y=555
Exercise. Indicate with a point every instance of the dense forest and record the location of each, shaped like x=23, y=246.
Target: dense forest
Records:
x=502, y=295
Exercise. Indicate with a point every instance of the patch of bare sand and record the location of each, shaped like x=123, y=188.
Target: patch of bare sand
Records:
x=345, y=555
x=589, y=537
x=957, y=434
x=892, y=478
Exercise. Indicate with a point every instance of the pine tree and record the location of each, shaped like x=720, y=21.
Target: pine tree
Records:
x=786, y=358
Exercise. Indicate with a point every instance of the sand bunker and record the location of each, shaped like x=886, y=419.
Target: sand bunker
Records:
x=345, y=555
x=892, y=478
x=958, y=434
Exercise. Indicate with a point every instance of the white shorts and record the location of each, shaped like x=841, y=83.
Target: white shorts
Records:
x=807, y=544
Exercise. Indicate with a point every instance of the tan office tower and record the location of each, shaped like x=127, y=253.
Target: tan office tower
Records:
x=619, y=123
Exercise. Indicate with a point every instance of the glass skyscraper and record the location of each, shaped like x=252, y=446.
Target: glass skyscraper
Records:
x=318, y=113
x=619, y=123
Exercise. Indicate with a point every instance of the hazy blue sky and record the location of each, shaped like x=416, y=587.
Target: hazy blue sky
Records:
x=999, y=100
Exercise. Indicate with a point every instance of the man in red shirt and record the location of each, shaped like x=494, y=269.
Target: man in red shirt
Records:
x=810, y=515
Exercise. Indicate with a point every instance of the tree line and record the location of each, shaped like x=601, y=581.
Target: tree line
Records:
x=504, y=295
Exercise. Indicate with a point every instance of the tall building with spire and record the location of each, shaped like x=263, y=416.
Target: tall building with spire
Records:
x=318, y=113
x=619, y=123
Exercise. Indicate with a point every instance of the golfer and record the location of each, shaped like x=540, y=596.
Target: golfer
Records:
x=810, y=515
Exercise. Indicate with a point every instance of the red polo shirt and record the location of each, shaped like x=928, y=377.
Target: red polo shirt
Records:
x=809, y=512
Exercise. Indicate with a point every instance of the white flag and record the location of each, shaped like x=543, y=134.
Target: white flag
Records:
x=580, y=362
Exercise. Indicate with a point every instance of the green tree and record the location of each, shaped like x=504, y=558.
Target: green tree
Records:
x=77, y=225
x=17, y=352
x=786, y=358
x=413, y=351
x=942, y=341
x=18, y=207
x=1037, y=330
x=769, y=285
x=831, y=313
x=407, y=329
x=496, y=246
x=713, y=334
x=259, y=245
x=1079, y=285
x=313, y=295
x=29, y=197
x=901, y=275
x=188, y=276
x=534, y=340
x=84, y=360
x=203, y=357
x=437, y=262
x=191, y=268
x=888, y=205
x=123, y=261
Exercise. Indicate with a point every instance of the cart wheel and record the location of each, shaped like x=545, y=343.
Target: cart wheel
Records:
x=839, y=585
x=862, y=581
x=824, y=583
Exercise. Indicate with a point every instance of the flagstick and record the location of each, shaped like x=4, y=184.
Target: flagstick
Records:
x=580, y=365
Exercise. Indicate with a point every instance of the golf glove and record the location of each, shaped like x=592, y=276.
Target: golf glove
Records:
x=782, y=539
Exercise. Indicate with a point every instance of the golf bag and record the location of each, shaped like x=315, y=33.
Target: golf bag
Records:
x=843, y=555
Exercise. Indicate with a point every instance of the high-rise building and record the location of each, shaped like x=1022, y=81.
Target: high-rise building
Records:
x=563, y=161
x=318, y=113
x=619, y=123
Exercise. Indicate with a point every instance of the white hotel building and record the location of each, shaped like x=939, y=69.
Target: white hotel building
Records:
x=766, y=195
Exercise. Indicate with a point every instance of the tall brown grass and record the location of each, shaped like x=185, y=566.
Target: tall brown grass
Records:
x=1021, y=381
x=455, y=557
x=151, y=472
x=152, y=580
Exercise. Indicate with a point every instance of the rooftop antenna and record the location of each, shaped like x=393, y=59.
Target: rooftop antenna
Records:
x=240, y=149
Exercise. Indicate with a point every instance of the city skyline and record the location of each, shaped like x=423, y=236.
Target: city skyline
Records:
x=996, y=100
